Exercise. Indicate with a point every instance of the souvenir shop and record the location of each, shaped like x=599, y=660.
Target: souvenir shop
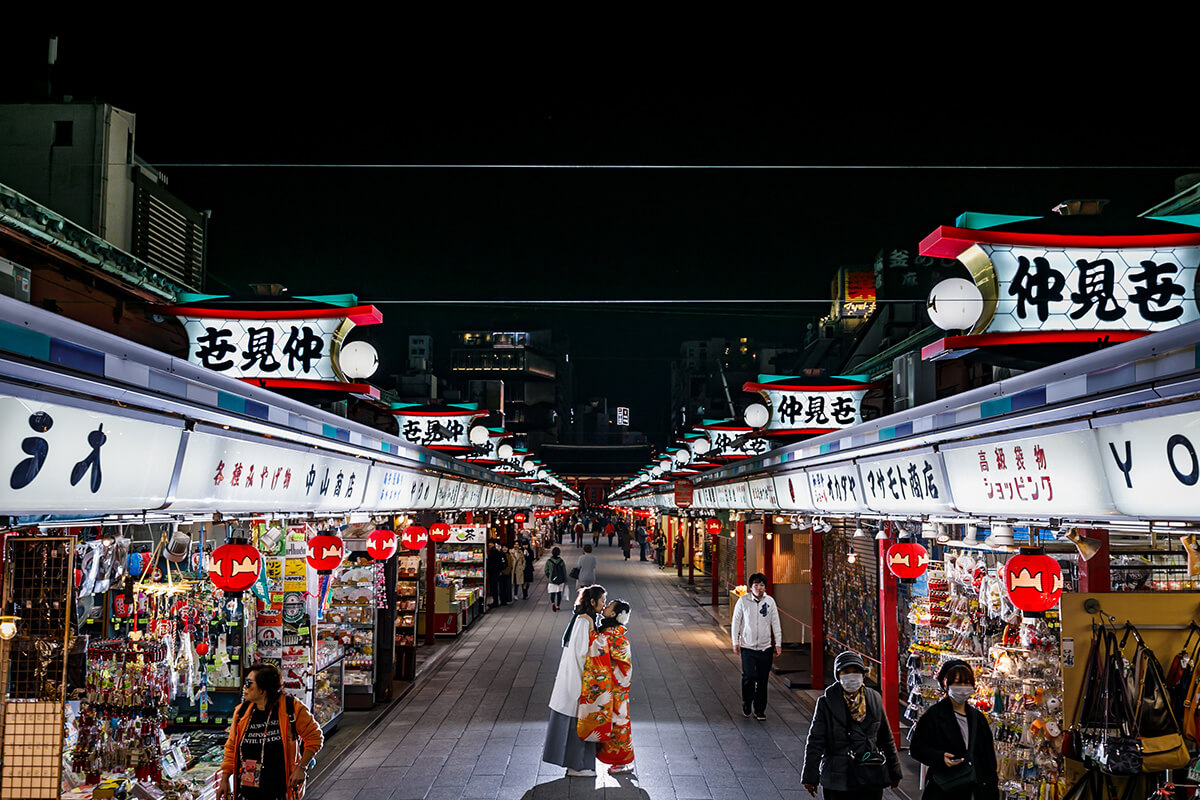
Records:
x=152, y=548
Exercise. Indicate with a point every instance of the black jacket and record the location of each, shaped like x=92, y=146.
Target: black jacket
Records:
x=833, y=735
x=937, y=733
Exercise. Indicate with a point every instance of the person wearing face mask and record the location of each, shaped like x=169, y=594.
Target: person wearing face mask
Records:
x=756, y=637
x=850, y=752
x=953, y=739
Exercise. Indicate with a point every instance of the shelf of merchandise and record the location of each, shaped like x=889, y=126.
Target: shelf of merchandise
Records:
x=328, y=697
x=408, y=597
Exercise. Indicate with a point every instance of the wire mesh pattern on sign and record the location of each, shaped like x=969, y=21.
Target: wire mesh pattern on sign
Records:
x=37, y=580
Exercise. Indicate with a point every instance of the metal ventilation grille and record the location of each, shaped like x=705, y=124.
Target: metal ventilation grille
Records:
x=168, y=235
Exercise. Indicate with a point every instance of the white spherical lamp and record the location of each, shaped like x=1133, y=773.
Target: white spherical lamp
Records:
x=358, y=360
x=701, y=446
x=505, y=451
x=955, y=304
x=478, y=435
x=682, y=457
x=756, y=415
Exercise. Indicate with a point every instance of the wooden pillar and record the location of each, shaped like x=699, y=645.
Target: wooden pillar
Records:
x=889, y=642
x=740, y=574
x=817, y=598
x=769, y=552
x=1094, y=573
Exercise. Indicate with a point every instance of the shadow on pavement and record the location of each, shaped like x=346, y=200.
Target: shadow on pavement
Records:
x=626, y=788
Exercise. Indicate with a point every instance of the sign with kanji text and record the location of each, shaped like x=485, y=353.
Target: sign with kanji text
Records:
x=623, y=416
x=762, y=493
x=913, y=483
x=1053, y=474
x=1153, y=466
x=437, y=427
x=683, y=493
x=223, y=473
x=725, y=447
x=800, y=406
x=1040, y=282
x=836, y=488
x=302, y=344
x=60, y=457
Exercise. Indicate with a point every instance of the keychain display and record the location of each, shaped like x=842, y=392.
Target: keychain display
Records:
x=1017, y=664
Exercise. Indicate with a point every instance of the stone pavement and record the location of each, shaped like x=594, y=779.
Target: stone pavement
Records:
x=473, y=728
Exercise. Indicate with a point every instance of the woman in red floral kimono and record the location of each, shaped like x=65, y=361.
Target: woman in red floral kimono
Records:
x=604, y=702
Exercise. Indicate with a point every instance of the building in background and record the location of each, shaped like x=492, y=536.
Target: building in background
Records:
x=80, y=160
x=596, y=423
x=706, y=381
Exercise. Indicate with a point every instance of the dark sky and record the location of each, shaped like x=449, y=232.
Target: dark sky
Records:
x=210, y=95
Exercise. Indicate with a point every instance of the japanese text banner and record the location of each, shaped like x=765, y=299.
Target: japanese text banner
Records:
x=914, y=483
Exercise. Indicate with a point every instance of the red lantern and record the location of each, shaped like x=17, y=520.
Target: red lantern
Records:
x=414, y=537
x=519, y=517
x=234, y=567
x=1033, y=580
x=713, y=526
x=907, y=560
x=439, y=532
x=381, y=545
x=202, y=649
x=325, y=553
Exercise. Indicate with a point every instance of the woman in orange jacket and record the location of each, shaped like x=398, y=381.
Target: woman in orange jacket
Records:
x=261, y=753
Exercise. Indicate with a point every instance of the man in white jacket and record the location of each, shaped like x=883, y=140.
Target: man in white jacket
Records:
x=757, y=636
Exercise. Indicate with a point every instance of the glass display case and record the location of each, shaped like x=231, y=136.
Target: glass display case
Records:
x=328, y=701
x=351, y=620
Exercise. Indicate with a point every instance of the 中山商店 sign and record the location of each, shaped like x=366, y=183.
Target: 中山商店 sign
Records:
x=270, y=347
x=1043, y=282
x=810, y=406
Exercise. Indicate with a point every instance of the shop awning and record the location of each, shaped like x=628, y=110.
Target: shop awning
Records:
x=95, y=425
x=1110, y=436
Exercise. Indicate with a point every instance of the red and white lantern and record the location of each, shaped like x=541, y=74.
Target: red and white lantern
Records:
x=439, y=532
x=381, y=544
x=325, y=553
x=520, y=518
x=1033, y=581
x=414, y=537
x=907, y=560
x=234, y=567
x=713, y=526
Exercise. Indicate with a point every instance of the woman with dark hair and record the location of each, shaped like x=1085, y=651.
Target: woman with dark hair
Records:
x=563, y=745
x=604, y=702
x=261, y=753
x=953, y=739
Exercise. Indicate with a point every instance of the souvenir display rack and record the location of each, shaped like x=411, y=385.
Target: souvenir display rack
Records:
x=408, y=595
x=351, y=619
x=1017, y=663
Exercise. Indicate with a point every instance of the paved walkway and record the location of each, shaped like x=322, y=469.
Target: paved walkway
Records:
x=474, y=728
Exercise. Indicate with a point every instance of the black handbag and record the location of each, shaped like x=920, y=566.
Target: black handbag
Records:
x=868, y=770
x=953, y=778
x=573, y=574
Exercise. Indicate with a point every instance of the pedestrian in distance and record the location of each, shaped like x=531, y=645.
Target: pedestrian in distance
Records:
x=660, y=550
x=623, y=540
x=610, y=531
x=516, y=563
x=577, y=534
x=527, y=571
x=496, y=562
x=850, y=752
x=757, y=637
x=585, y=569
x=556, y=577
x=563, y=745
x=604, y=702
x=505, y=577
x=271, y=741
x=642, y=542
x=679, y=554
x=953, y=739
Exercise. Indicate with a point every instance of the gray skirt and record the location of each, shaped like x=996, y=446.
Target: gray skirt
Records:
x=563, y=745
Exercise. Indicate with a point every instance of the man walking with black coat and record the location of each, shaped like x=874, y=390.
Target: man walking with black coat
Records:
x=496, y=562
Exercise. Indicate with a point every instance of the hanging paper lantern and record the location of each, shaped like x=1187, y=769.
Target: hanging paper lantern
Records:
x=202, y=649
x=907, y=560
x=325, y=553
x=439, y=532
x=1033, y=580
x=713, y=526
x=414, y=537
x=520, y=517
x=381, y=544
x=234, y=567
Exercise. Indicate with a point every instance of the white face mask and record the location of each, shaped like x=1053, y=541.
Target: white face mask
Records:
x=851, y=681
x=960, y=694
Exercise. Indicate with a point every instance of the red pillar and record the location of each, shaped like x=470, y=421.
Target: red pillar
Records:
x=741, y=552
x=769, y=552
x=817, y=596
x=430, y=581
x=716, y=567
x=889, y=641
x=1094, y=574
x=691, y=555
x=681, y=528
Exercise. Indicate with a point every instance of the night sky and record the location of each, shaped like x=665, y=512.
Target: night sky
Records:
x=209, y=96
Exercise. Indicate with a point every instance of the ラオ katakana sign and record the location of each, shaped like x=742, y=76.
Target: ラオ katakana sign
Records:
x=296, y=344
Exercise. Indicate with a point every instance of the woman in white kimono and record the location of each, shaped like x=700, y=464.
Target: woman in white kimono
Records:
x=563, y=745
